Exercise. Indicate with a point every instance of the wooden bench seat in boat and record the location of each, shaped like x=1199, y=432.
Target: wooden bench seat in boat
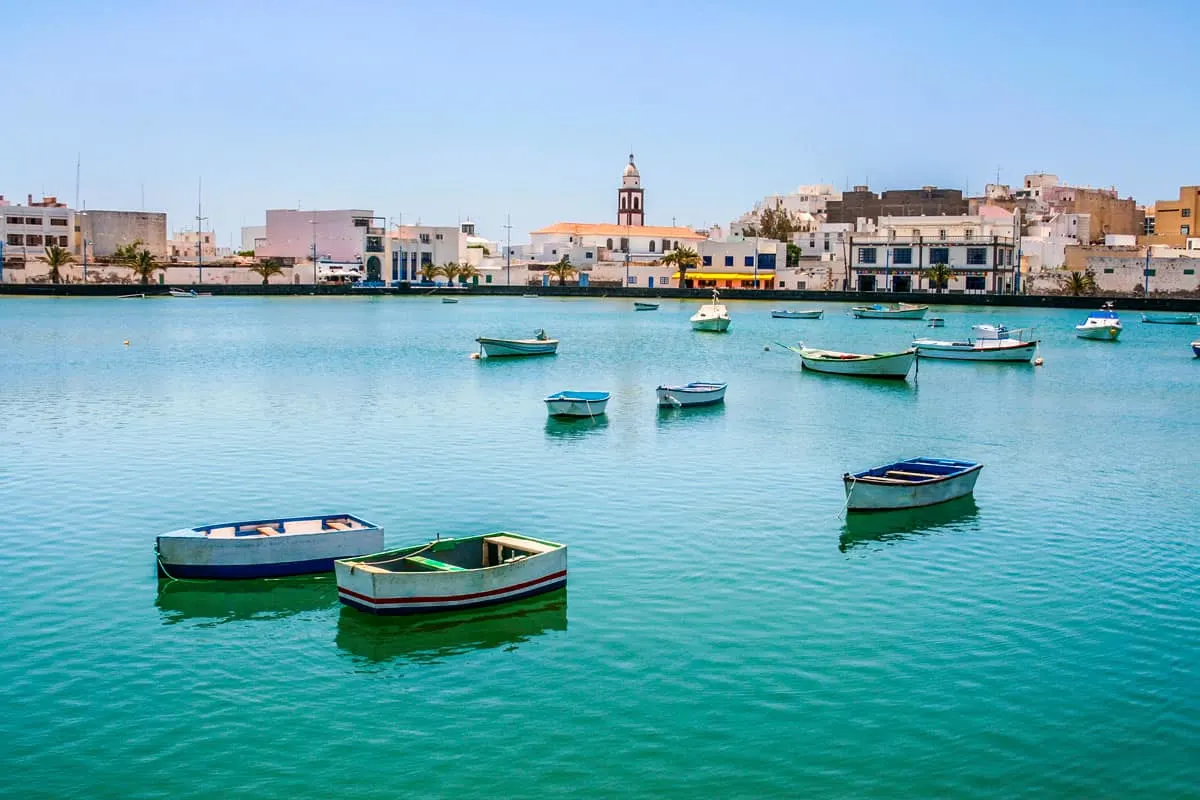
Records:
x=432, y=564
x=267, y=530
x=337, y=526
x=524, y=545
x=920, y=476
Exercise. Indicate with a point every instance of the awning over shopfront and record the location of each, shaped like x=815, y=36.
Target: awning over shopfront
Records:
x=727, y=276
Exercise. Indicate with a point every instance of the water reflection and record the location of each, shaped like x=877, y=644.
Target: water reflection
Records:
x=575, y=428
x=877, y=385
x=218, y=602
x=685, y=417
x=889, y=526
x=430, y=637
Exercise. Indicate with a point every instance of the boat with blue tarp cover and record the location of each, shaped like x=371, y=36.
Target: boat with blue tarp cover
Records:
x=1103, y=324
x=265, y=548
x=911, y=483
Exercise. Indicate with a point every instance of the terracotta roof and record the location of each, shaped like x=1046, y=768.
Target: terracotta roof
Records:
x=604, y=229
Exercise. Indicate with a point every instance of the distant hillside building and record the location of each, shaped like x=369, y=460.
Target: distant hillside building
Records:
x=105, y=231
x=1175, y=221
x=1042, y=194
x=862, y=203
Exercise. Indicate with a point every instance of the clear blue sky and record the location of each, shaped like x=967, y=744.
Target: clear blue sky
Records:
x=447, y=110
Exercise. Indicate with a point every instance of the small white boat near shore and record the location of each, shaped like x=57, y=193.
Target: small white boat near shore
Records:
x=1103, y=325
x=898, y=311
x=452, y=574
x=713, y=317
x=787, y=313
x=990, y=343
x=539, y=345
x=265, y=548
x=689, y=395
x=877, y=365
x=912, y=483
x=576, y=404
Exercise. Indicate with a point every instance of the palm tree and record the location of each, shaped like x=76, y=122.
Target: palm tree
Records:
x=562, y=270
x=127, y=253
x=430, y=272
x=1078, y=283
x=266, y=269
x=684, y=258
x=57, y=257
x=144, y=267
x=466, y=272
x=450, y=270
x=939, y=276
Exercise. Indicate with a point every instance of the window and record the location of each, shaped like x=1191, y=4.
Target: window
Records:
x=1148, y=227
x=1185, y=230
x=633, y=280
x=892, y=235
x=62, y=223
x=1185, y=212
x=15, y=239
x=976, y=283
x=62, y=241
x=438, y=237
x=666, y=245
x=624, y=245
x=33, y=221
x=749, y=261
x=766, y=261
x=783, y=284
x=676, y=247
x=968, y=233
x=802, y=285
x=15, y=220
x=1149, y=272
x=624, y=202
x=651, y=245
x=1189, y=272
x=426, y=258
x=424, y=238
x=826, y=245
x=360, y=222
x=866, y=283
x=707, y=261
x=902, y=255
x=588, y=255
x=866, y=255
x=487, y=278
x=608, y=244
x=637, y=202
x=939, y=255
x=976, y=256
x=33, y=240
x=374, y=244
x=729, y=261
x=664, y=280
x=1108, y=270
x=916, y=234
x=942, y=234
x=812, y=243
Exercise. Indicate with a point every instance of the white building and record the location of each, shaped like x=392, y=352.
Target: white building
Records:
x=342, y=236
x=190, y=245
x=827, y=240
x=27, y=230
x=806, y=205
x=251, y=236
x=980, y=249
x=1044, y=243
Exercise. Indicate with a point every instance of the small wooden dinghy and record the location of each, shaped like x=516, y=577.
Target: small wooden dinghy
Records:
x=576, y=404
x=689, y=395
x=539, y=345
x=645, y=306
x=787, y=313
x=265, y=548
x=863, y=365
x=912, y=483
x=898, y=311
x=452, y=574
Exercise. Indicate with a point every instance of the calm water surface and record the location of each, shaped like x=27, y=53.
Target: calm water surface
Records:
x=724, y=633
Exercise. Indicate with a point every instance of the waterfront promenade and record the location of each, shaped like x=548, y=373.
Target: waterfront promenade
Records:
x=724, y=632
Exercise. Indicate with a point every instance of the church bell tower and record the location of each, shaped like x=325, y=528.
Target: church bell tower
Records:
x=630, y=207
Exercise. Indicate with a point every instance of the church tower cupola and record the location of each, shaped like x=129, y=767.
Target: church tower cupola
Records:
x=631, y=209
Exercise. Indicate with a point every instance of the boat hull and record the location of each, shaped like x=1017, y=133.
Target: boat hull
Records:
x=711, y=324
x=895, y=366
x=890, y=313
x=797, y=314
x=188, y=554
x=1021, y=352
x=397, y=593
x=1107, y=333
x=575, y=407
x=862, y=496
x=1196, y=349
x=684, y=397
x=1171, y=319
x=645, y=306
x=514, y=348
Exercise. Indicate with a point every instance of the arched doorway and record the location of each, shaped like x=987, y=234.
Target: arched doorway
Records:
x=373, y=270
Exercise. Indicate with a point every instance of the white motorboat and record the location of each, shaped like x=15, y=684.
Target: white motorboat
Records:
x=266, y=548
x=539, y=345
x=1103, y=324
x=990, y=343
x=576, y=404
x=787, y=313
x=697, y=393
x=711, y=316
x=898, y=311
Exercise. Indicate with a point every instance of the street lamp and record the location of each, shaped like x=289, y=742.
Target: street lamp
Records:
x=314, y=249
x=200, y=247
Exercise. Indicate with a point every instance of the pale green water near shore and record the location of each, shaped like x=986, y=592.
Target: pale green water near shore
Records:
x=724, y=633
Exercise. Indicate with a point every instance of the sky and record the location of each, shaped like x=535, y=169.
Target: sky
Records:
x=441, y=112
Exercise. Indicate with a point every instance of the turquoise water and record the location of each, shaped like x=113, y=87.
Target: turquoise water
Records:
x=724, y=632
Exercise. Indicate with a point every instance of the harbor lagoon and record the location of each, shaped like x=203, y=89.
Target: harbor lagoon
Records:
x=726, y=630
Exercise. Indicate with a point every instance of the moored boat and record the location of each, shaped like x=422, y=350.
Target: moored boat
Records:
x=787, y=313
x=645, y=306
x=912, y=483
x=990, y=343
x=576, y=404
x=937, y=322
x=265, y=548
x=182, y=293
x=452, y=574
x=1171, y=319
x=712, y=316
x=877, y=365
x=696, y=393
x=449, y=299
x=539, y=345
x=1103, y=324
x=1196, y=349
x=898, y=311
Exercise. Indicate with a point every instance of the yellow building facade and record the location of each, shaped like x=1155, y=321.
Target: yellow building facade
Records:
x=1176, y=221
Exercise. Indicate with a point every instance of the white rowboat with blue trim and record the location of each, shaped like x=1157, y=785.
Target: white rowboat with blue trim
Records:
x=452, y=574
x=265, y=548
x=912, y=483
x=787, y=313
x=539, y=345
x=576, y=404
x=696, y=393
x=898, y=311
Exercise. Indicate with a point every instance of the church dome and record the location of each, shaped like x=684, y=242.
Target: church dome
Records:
x=631, y=170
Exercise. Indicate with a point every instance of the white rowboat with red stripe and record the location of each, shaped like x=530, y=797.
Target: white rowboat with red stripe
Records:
x=452, y=574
